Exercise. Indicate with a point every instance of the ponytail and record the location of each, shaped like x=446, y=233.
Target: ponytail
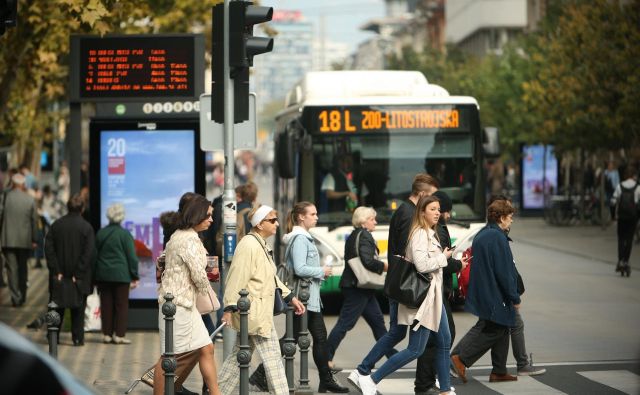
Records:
x=299, y=208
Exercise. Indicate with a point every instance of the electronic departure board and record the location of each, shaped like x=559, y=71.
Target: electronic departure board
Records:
x=136, y=67
x=362, y=119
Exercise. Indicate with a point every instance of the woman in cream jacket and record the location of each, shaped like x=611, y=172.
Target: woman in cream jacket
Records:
x=253, y=269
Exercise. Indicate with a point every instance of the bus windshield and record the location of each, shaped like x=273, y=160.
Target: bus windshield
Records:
x=379, y=168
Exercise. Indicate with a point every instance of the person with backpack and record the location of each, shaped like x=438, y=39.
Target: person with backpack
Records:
x=626, y=197
x=303, y=263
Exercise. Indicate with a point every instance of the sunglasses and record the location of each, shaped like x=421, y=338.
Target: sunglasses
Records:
x=272, y=220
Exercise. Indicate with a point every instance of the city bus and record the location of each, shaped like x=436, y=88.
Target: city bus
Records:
x=392, y=125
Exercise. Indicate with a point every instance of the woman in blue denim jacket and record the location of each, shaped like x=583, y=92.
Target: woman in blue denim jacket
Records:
x=302, y=255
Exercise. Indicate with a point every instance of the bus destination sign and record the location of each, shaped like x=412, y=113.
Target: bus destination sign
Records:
x=137, y=67
x=372, y=119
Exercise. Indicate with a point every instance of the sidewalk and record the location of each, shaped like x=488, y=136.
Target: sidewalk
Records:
x=110, y=369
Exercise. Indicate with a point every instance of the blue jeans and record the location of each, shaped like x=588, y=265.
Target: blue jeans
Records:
x=357, y=302
x=386, y=343
x=417, y=343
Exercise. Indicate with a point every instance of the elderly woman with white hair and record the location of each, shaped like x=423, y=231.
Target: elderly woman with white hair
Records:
x=253, y=269
x=116, y=271
x=359, y=301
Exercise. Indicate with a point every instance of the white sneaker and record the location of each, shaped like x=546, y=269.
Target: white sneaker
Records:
x=367, y=386
x=121, y=340
x=353, y=378
x=437, y=385
x=107, y=339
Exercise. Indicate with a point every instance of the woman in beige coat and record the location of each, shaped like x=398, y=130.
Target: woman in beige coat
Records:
x=253, y=269
x=430, y=318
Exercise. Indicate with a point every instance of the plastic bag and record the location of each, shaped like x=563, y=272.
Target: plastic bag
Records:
x=92, y=313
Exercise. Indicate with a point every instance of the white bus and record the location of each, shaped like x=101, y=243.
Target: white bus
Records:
x=393, y=125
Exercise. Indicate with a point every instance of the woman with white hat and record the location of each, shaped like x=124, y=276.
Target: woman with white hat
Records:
x=253, y=269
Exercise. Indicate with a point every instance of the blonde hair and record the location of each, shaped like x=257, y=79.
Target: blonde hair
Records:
x=361, y=214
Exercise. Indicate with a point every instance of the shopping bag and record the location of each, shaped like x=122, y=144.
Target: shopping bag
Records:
x=92, y=314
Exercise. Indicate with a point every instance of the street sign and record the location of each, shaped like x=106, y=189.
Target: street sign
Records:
x=212, y=134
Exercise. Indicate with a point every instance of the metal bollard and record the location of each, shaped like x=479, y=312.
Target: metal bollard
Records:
x=169, y=363
x=289, y=349
x=52, y=318
x=244, y=355
x=304, y=342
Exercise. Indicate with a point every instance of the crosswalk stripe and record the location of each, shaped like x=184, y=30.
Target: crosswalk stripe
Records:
x=395, y=386
x=523, y=386
x=622, y=380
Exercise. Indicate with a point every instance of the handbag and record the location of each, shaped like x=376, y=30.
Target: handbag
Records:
x=405, y=284
x=207, y=303
x=279, y=305
x=366, y=278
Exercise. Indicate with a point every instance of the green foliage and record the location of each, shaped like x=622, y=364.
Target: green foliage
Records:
x=573, y=83
x=34, y=55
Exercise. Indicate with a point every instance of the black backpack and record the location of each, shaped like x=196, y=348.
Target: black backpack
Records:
x=627, y=208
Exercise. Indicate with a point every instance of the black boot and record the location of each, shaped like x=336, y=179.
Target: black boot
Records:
x=259, y=379
x=328, y=383
x=619, y=266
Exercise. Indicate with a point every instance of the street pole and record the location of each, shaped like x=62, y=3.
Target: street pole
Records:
x=229, y=196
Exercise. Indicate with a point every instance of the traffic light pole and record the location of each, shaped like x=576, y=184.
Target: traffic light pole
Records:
x=229, y=197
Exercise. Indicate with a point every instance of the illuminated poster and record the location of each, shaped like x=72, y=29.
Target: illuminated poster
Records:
x=534, y=168
x=146, y=171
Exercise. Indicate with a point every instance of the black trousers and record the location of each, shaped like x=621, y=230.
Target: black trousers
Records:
x=485, y=335
x=626, y=231
x=77, y=320
x=426, y=370
x=318, y=332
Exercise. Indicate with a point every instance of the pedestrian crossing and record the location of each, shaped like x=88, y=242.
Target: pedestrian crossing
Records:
x=619, y=377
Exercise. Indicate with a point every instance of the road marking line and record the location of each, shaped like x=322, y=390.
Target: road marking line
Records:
x=622, y=380
x=523, y=386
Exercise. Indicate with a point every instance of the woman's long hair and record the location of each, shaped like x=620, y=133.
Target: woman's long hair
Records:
x=299, y=208
x=194, y=211
x=419, y=221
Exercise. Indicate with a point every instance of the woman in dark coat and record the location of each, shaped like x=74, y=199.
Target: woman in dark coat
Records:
x=116, y=271
x=359, y=301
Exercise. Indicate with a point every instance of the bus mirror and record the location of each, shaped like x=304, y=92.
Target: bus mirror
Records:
x=491, y=142
x=286, y=152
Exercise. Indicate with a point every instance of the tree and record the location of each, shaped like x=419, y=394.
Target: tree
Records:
x=34, y=55
x=587, y=83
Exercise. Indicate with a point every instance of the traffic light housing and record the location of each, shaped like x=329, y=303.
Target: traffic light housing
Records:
x=8, y=14
x=243, y=46
x=217, y=64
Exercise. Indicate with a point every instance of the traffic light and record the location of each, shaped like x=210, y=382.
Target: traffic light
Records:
x=8, y=14
x=243, y=46
x=217, y=64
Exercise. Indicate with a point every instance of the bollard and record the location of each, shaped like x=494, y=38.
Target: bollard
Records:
x=244, y=355
x=304, y=342
x=289, y=349
x=169, y=363
x=52, y=318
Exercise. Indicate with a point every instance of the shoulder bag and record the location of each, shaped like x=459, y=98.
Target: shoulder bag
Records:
x=279, y=305
x=405, y=284
x=366, y=278
x=207, y=303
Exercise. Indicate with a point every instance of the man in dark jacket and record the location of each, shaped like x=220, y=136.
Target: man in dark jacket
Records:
x=492, y=296
x=69, y=250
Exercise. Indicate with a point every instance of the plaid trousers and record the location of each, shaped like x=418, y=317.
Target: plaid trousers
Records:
x=269, y=351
